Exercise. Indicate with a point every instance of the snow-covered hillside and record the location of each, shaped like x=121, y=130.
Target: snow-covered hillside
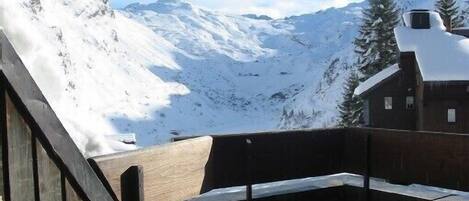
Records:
x=248, y=71
x=170, y=68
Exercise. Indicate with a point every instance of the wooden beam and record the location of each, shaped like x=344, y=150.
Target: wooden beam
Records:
x=173, y=172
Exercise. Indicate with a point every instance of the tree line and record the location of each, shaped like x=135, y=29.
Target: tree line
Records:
x=376, y=48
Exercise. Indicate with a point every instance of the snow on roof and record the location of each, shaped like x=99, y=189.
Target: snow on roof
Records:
x=376, y=79
x=441, y=56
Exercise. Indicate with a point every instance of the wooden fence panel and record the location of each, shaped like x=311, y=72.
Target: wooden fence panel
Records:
x=409, y=157
x=49, y=176
x=276, y=156
x=20, y=155
x=426, y=158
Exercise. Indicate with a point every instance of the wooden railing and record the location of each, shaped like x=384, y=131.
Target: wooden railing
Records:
x=401, y=157
x=407, y=157
x=39, y=159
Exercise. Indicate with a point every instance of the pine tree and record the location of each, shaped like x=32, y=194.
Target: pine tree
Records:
x=376, y=45
x=376, y=48
x=465, y=13
x=449, y=9
x=351, y=106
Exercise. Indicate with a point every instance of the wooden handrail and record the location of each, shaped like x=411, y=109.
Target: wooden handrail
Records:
x=173, y=172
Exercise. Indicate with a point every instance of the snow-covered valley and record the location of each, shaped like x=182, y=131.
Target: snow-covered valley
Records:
x=171, y=68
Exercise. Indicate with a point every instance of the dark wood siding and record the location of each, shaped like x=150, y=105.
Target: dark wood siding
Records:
x=419, y=94
x=399, y=117
x=432, y=101
x=441, y=96
x=399, y=87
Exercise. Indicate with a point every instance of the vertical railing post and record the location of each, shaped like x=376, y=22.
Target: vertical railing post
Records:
x=248, y=170
x=4, y=137
x=132, y=184
x=366, y=176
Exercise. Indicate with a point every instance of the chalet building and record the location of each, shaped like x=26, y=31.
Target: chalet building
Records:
x=429, y=88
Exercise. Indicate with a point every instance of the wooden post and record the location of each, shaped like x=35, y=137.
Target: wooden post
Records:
x=132, y=184
x=4, y=139
x=248, y=169
x=366, y=176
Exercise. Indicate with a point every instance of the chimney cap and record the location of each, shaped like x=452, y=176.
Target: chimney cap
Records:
x=420, y=10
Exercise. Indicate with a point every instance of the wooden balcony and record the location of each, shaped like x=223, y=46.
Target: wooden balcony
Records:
x=389, y=159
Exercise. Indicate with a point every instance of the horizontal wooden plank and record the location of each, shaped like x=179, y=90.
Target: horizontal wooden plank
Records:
x=173, y=172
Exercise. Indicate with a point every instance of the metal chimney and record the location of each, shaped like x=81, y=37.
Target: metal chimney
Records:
x=420, y=19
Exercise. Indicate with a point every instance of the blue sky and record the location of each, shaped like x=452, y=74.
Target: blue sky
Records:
x=273, y=8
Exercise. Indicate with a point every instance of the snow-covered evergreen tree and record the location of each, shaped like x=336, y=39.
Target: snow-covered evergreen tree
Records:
x=376, y=45
x=376, y=48
x=450, y=9
x=351, y=106
x=465, y=13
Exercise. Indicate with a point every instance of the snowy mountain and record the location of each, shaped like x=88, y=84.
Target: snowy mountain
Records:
x=171, y=68
x=250, y=71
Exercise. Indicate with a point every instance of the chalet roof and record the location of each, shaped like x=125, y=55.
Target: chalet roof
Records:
x=441, y=56
x=376, y=79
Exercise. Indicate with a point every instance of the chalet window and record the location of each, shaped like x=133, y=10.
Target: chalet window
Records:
x=388, y=103
x=409, y=102
x=451, y=115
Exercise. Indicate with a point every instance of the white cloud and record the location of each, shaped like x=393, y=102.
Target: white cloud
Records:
x=273, y=8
